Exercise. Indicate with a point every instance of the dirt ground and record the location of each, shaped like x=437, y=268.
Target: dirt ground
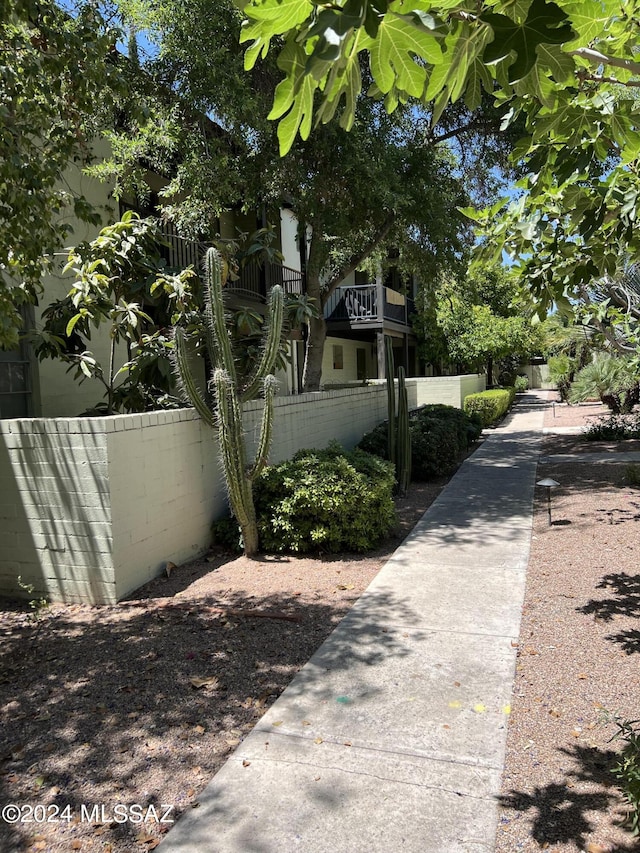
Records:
x=579, y=653
x=142, y=702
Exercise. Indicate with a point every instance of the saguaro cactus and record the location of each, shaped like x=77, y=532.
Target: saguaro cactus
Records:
x=230, y=391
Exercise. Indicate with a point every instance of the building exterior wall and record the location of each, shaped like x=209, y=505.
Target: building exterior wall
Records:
x=60, y=395
x=92, y=508
x=349, y=372
x=538, y=376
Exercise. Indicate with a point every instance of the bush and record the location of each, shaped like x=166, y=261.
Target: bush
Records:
x=489, y=406
x=225, y=534
x=325, y=500
x=439, y=436
x=627, y=768
x=521, y=383
x=611, y=379
x=614, y=428
x=561, y=370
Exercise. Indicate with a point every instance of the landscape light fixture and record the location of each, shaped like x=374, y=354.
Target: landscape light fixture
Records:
x=549, y=484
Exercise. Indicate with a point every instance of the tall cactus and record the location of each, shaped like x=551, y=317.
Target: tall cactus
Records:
x=398, y=434
x=403, y=440
x=230, y=392
x=391, y=399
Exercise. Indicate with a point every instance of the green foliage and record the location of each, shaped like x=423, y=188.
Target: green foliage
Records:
x=225, y=533
x=325, y=500
x=361, y=193
x=120, y=280
x=611, y=379
x=439, y=434
x=632, y=475
x=614, y=428
x=568, y=70
x=627, y=768
x=231, y=389
x=489, y=406
x=521, y=384
x=58, y=84
x=480, y=319
x=38, y=605
x=561, y=372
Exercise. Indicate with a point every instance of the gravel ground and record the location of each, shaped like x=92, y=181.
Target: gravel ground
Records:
x=578, y=655
x=141, y=703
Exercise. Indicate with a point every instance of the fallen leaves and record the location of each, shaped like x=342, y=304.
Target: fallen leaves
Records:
x=208, y=681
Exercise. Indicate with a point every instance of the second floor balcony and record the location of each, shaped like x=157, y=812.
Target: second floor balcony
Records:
x=370, y=305
x=254, y=280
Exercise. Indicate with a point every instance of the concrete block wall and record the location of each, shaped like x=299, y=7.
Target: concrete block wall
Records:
x=55, y=510
x=92, y=508
x=450, y=390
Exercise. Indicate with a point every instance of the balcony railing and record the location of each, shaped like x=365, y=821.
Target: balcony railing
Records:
x=359, y=304
x=254, y=281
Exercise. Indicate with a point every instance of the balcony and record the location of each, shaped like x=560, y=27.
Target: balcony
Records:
x=254, y=282
x=359, y=306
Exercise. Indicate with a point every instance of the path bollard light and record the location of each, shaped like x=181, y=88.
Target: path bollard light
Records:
x=549, y=484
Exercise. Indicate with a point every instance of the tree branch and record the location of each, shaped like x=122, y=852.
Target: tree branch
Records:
x=357, y=258
x=597, y=58
x=601, y=78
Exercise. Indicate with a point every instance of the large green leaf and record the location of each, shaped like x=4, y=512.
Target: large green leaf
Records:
x=546, y=23
x=394, y=52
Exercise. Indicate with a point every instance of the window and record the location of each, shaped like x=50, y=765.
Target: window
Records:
x=15, y=393
x=338, y=362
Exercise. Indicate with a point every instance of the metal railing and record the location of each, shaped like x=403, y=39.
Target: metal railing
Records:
x=254, y=280
x=359, y=303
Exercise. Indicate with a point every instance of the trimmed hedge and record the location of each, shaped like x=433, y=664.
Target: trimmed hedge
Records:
x=325, y=500
x=440, y=435
x=489, y=406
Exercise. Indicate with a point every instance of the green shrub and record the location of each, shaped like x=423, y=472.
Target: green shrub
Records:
x=561, y=370
x=521, y=383
x=489, y=406
x=611, y=379
x=614, y=428
x=439, y=436
x=627, y=768
x=325, y=500
x=225, y=533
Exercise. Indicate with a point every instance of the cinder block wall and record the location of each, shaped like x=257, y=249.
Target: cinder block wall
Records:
x=90, y=509
x=55, y=510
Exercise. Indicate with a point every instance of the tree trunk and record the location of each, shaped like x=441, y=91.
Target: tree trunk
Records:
x=317, y=329
x=312, y=373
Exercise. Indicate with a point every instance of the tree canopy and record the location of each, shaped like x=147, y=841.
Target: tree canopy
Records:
x=57, y=85
x=476, y=322
x=568, y=68
x=383, y=184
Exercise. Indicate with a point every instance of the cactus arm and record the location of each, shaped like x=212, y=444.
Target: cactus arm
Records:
x=270, y=386
x=218, y=339
x=271, y=344
x=186, y=381
x=391, y=400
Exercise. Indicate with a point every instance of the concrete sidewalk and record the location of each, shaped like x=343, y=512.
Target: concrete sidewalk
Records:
x=392, y=737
